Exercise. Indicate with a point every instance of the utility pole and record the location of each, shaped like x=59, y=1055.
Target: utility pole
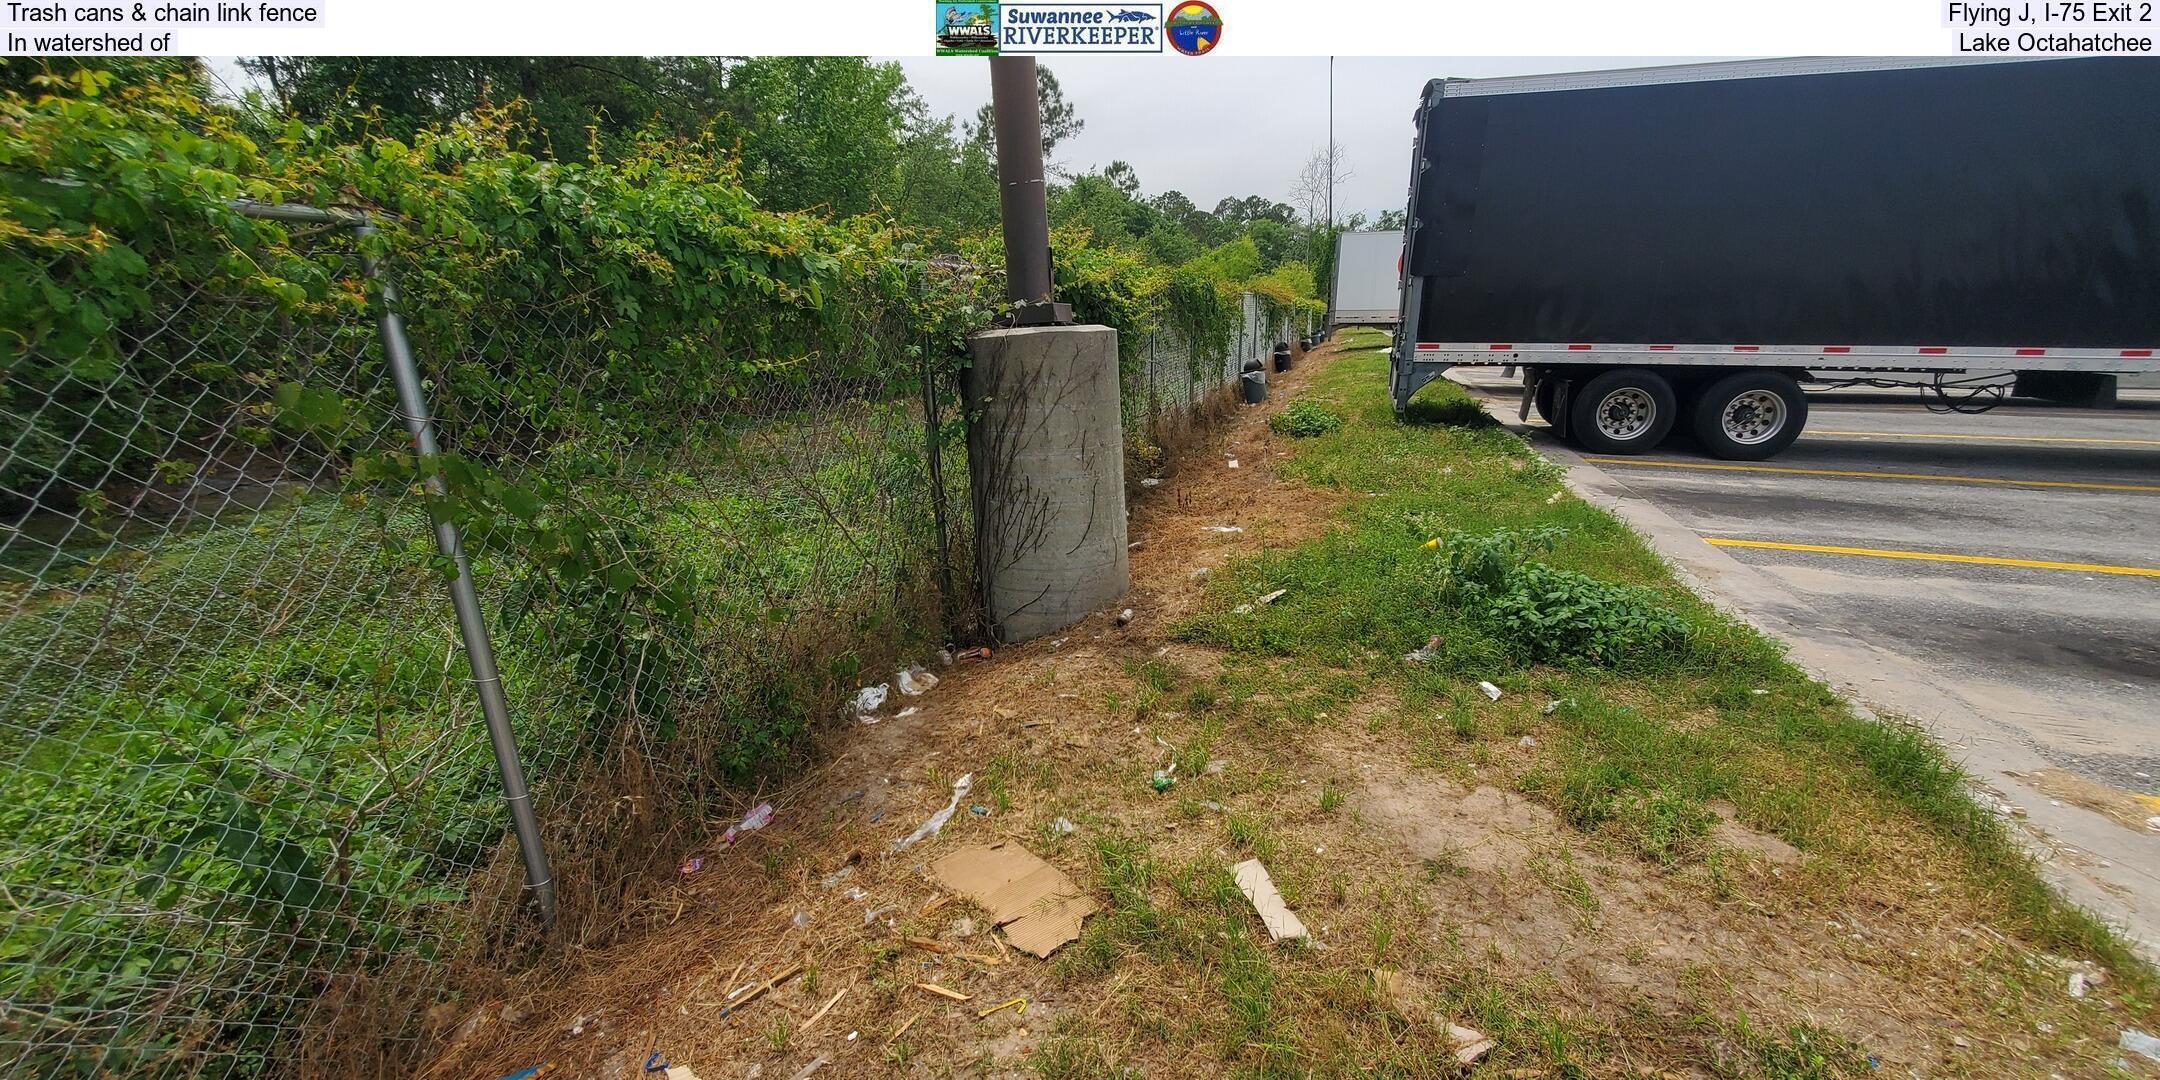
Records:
x=1023, y=204
x=1331, y=147
x=1046, y=446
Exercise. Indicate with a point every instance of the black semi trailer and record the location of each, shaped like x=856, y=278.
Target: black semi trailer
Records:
x=1687, y=246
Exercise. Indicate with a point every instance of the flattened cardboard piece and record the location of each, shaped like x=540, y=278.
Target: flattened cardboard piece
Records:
x=1282, y=923
x=1039, y=907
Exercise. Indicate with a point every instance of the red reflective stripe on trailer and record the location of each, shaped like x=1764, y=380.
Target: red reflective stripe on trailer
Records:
x=1499, y=348
x=1837, y=348
x=1579, y=348
x=1661, y=348
x=2137, y=352
x=1428, y=346
x=1746, y=348
x=2032, y=352
x=1933, y=350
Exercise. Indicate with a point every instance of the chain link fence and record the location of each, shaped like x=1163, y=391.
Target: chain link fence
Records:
x=1174, y=387
x=248, y=783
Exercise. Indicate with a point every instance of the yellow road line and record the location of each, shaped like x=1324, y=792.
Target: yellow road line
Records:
x=1990, y=438
x=1938, y=556
x=1869, y=474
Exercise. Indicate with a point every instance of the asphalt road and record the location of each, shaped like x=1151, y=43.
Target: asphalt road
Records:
x=2056, y=626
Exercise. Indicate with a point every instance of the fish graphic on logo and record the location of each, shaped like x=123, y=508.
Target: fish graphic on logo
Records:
x=1129, y=15
x=1195, y=28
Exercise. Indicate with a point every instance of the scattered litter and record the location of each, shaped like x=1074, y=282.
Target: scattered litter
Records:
x=871, y=915
x=1018, y=1004
x=1759, y=692
x=852, y=1035
x=1492, y=692
x=691, y=865
x=1124, y=617
x=914, y=682
x=802, y=920
x=907, y=712
x=1226, y=529
x=979, y=652
x=2078, y=984
x=1164, y=778
x=1273, y=596
x=2153, y=823
x=1202, y=572
x=944, y=657
x=1527, y=742
x=756, y=819
x=1135, y=545
x=877, y=815
x=680, y=1072
x=937, y=821
x=1425, y=653
x=655, y=1063
x=1552, y=707
x=816, y=1063
x=1242, y=609
x=1062, y=827
x=1431, y=545
x=533, y=1073
x=1470, y=1045
x=1217, y=765
x=1253, y=879
x=1038, y=906
x=1150, y=482
x=855, y=892
x=870, y=699
x=1233, y=463
x=942, y=992
x=2141, y=1044
x=979, y=810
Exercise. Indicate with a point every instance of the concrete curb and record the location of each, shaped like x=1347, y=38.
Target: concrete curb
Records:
x=2095, y=862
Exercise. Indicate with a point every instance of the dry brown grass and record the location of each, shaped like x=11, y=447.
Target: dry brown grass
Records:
x=1401, y=843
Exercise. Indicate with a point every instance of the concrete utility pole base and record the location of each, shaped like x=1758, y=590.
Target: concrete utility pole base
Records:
x=1048, y=451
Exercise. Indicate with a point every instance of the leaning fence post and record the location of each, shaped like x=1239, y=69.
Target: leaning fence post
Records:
x=472, y=625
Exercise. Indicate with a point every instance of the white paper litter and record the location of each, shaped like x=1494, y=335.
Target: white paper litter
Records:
x=1491, y=691
x=937, y=821
x=914, y=682
x=1253, y=880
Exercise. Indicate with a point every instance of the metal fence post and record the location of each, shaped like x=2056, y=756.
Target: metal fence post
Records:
x=472, y=625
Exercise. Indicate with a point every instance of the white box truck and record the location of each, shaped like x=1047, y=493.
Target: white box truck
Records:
x=1368, y=279
x=1685, y=247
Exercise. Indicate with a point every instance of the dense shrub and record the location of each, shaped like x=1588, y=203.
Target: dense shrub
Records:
x=1305, y=419
x=1552, y=614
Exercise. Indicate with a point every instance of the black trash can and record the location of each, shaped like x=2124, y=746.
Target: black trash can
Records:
x=1282, y=356
x=1255, y=386
x=1252, y=363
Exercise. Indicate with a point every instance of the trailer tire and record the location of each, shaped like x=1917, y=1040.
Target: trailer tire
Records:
x=1623, y=411
x=1749, y=415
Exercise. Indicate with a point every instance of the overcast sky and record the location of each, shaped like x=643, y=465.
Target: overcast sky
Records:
x=1234, y=126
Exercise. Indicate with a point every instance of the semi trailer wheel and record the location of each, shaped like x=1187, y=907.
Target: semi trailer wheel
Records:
x=1749, y=415
x=1542, y=399
x=1626, y=411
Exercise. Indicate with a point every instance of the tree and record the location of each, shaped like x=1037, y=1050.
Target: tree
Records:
x=1391, y=219
x=1251, y=208
x=1060, y=120
x=811, y=131
x=1323, y=172
x=1122, y=176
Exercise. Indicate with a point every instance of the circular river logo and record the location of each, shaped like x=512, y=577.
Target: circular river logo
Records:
x=1195, y=28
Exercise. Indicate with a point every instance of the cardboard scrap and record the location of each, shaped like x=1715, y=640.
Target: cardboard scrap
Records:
x=1039, y=907
x=1469, y=1045
x=1259, y=888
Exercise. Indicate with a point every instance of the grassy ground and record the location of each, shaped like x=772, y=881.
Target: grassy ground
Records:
x=1662, y=850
